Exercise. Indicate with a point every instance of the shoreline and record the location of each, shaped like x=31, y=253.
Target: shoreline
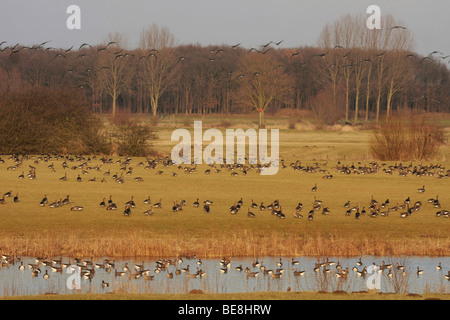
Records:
x=277, y=295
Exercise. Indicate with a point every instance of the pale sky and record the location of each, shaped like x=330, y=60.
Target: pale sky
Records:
x=250, y=22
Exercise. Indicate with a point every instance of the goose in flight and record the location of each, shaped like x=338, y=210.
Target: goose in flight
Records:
x=397, y=27
x=294, y=54
x=112, y=42
x=321, y=55
x=84, y=45
x=278, y=43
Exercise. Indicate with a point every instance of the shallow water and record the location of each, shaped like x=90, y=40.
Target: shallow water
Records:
x=21, y=282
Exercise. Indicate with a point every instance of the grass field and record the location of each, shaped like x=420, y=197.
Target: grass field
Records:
x=28, y=229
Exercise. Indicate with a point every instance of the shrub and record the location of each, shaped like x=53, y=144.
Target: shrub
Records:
x=133, y=138
x=225, y=123
x=405, y=139
x=326, y=109
x=48, y=121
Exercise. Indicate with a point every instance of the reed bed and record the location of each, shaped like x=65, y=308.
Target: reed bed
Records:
x=237, y=246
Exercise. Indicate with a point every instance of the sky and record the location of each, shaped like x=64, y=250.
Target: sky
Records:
x=213, y=22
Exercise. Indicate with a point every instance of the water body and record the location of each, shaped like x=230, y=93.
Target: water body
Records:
x=14, y=281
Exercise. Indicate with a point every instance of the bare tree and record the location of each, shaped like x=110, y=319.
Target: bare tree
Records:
x=157, y=38
x=399, y=43
x=263, y=82
x=158, y=72
x=114, y=73
x=158, y=62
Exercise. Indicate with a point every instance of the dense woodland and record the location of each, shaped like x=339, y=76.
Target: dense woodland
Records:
x=353, y=74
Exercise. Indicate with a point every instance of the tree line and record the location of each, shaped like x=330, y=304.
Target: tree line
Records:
x=353, y=74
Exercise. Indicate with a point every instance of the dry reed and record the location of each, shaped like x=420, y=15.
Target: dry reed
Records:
x=236, y=246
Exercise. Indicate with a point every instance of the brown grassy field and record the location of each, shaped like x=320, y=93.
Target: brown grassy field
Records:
x=28, y=229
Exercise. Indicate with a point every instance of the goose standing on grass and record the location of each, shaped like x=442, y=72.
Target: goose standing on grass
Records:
x=436, y=202
x=16, y=198
x=297, y=215
x=206, y=208
x=196, y=203
x=131, y=202
x=262, y=207
x=149, y=212
x=250, y=214
x=127, y=211
x=44, y=201
x=234, y=209
x=421, y=190
x=111, y=206
x=363, y=211
x=158, y=204
x=66, y=200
